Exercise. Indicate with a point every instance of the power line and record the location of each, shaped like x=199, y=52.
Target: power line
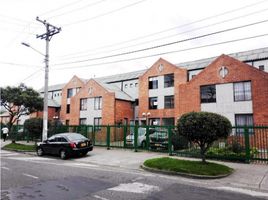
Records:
x=104, y=14
x=18, y=64
x=173, y=35
x=172, y=28
x=61, y=7
x=30, y=76
x=164, y=53
x=163, y=45
x=77, y=9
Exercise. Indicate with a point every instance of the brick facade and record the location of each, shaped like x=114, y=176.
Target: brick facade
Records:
x=180, y=76
x=189, y=98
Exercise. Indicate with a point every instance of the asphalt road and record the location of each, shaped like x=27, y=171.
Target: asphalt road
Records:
x=26, y=177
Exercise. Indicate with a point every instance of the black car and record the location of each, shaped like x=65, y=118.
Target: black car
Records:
x=65, y=145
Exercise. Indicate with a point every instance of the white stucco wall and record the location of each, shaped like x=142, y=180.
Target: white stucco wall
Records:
x=90, y=113
x=161, y=92
x=225, y=104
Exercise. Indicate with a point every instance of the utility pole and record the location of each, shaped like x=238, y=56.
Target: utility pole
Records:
x=50, y=31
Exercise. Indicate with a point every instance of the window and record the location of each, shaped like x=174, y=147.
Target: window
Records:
x=68, y=108
x=97, y=123
x=83, y=121
x=136, y=102
x=83, y=104
x=169, y=101
x=153, y=103
x=242, y=91
x=77, y=89
x=261, y=67
x=131, y=85
x=154, y=121
x=208, y=93
x=169, y=80
x=243, y=120
x=153, y=83
x=168, y=121
x=136, y=84
x=126, y=85
x=69, y=93
x=67, y=122
x=97, y=103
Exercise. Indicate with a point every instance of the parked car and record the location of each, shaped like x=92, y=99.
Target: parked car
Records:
x=159, y=140
x=141, y=140
x=65, y=145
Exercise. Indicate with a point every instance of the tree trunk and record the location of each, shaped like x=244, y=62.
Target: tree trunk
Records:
x=202, y=152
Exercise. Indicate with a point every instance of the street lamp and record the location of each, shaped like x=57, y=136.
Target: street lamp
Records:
x=45, y=109
x=146, y=115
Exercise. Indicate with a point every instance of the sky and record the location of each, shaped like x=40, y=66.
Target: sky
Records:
x=104, y=37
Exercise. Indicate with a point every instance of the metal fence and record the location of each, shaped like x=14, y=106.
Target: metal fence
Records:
x=244, y=144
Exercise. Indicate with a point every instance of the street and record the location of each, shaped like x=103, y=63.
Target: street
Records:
x=31, y=177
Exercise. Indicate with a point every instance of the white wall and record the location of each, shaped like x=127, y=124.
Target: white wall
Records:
x=90, y=113
x=225, y=104
x=161, y=92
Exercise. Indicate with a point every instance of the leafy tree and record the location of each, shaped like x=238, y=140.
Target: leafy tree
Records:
x=34, y=127
x=203, y=128
x=19, y=101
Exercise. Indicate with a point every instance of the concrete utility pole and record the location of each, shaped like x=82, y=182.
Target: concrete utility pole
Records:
x=50, y=31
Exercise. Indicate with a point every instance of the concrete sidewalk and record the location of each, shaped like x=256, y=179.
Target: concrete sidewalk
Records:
x=247, y=176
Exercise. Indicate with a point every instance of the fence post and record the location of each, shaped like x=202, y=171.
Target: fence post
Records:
x=147, y=137
x=125, y=135
x=136, y=138
x=108, y=137
x=247, y=144
x=169, y=141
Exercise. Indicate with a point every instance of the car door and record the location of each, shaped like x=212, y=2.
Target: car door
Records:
x=48, y=145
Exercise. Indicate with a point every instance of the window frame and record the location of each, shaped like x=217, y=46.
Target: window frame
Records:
x=83, y=104
x=153, y=107
x=168, y=80
x=98, y=103
x=84, y=120
x=236, y=99
x=207, y=100
x=152, y=83
x=241, y=130
x=169, y=104
x=97, y=126
x=68, y=108
x=69, y=93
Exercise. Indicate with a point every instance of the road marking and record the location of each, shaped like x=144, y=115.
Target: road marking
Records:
x=30, y=158
x=81, y=164
x=5, y=168
x=244, y=191
x=98, y=197
x=135, y=188
x=29, y=175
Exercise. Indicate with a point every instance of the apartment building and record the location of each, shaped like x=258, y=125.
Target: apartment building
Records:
x=235, y=86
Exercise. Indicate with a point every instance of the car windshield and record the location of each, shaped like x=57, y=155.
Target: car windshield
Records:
x=74, y=136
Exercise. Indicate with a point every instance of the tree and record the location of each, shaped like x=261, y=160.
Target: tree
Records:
x=34, y=127
x=19, y=101
x=203, y=128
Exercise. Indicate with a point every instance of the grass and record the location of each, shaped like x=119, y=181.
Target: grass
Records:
x=17, y=146
x=188, y=167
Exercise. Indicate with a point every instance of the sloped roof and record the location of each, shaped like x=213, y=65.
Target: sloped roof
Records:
x=118, y=93
x=53, y=103
x=53, y=87
x=119, y=77
x=244, y=56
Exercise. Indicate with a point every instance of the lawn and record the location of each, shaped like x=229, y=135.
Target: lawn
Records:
x=17, y=146
x=188, y=167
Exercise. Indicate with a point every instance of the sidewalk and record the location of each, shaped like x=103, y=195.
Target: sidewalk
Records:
x=247, y=176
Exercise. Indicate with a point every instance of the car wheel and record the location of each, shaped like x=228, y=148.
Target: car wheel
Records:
x=84, y=153
x=39, y=151
x=63, y=154
x=143, y=144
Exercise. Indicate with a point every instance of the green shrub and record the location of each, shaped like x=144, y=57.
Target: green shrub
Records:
x=203, y=128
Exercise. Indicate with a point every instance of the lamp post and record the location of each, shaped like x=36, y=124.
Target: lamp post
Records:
x=146, y=115
x=45, y=109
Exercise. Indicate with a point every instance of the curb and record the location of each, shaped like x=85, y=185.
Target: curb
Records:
x=20, y=151
x=193, y=176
